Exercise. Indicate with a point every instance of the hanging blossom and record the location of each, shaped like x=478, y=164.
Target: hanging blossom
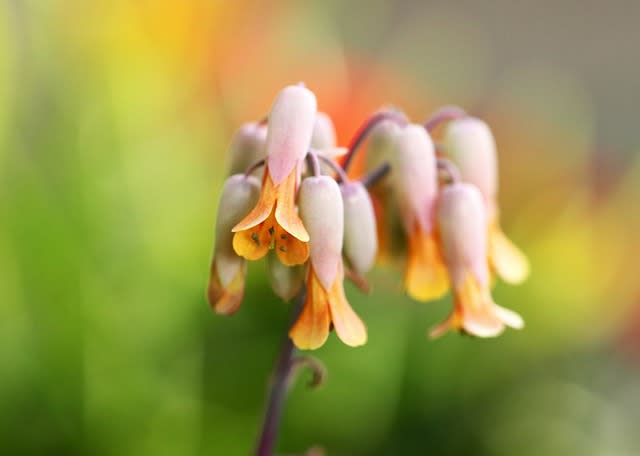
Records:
x=274, y=220
x=415, y=180
x=317, y=227
x=462, y=221
x=296, y=218
x=469, y=143
x=321, y=209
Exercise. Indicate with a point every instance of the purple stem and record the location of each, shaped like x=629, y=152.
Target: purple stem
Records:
x=444, y=115
x=377, y=174
x=278, y=390
x=366, y=128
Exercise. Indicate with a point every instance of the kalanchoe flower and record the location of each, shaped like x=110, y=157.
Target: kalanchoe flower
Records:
x=247, y=147
x=286, y=281
x=462, y=225
x=381, y=143
x=470, y=145
x=415, y=179
x=360, y=235
x=321, y=208
x=228, y=270
x=324, y=133
x=274, y=220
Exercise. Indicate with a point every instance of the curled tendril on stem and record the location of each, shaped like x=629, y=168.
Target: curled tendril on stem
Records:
x=317, y=368
x=449, y=169
x=442, y=115
x=366, y=128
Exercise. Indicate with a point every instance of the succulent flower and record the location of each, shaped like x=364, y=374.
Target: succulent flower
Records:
x=247, y=147
x=415, y=181
x=321, y=209
x=228, y=270
x=274, y=220
x=469, y=143
x=324, y=133
x=462, y=225
x=360, y=235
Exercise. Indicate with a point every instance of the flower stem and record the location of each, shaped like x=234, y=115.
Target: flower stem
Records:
x=365, y=129
x=278, y=390
x=442, y=115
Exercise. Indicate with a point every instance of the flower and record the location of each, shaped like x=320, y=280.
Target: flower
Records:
x=470, y=144
x=321, y=208
x=228, y=270
x=247, y=147
x=324, y=133
x=461, y=220
x=380, y=149
x=415, y=179
x=286, y=281
x=360, y=234
x=274, y=219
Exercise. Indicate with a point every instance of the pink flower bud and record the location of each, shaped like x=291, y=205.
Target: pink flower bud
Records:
x=360, y=234
x=286, y=281
x=324, y=133
x=415, y=180
x=414, y=176
x=226, y=284
x=381, y=144
x=321, y=210
x=247, y=147
x=470, y=145
x=291, y=122
x=463, y=232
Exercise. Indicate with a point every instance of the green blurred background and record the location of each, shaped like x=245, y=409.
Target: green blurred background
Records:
x=115, y=117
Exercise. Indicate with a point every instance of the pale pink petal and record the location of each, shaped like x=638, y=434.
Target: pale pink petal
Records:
x=415, y=176
x=469, y=143
x=289, y=132
x=321, y=210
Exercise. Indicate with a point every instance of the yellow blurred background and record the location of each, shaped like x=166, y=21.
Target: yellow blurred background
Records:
x=115, y=118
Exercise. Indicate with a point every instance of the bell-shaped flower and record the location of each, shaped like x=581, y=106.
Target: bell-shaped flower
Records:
x=247, y=147
x=415, y=180
x=274, y=220
x=321, y=208
x=286, y=281
x=462, y=225
x=469, y=143
x=360, y=235
x=324, y=132
x=381, y=143
x=379, y=150
x=228, y=270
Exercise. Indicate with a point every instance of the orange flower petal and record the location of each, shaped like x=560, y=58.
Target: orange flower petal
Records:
x=255, y=242
x=505, y=258
x=290, y=251
x=311, y=329
x=226, y=301
x=426, y=275
x=477, y=309
x=349, y=327
x=454, y=321
x=263, y=207
x=286, y=213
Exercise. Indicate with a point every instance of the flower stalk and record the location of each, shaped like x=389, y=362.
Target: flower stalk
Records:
x=278, y=389
x=366, y=128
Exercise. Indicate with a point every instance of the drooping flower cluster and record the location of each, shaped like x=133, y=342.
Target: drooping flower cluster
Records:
x=317, y=226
